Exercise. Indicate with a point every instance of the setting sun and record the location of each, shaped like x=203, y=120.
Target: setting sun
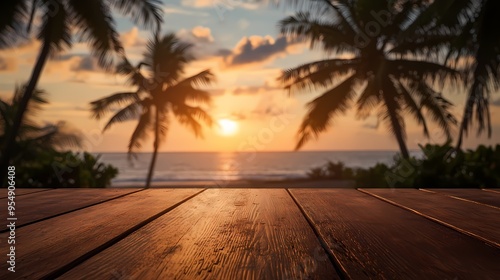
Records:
x=227, y=127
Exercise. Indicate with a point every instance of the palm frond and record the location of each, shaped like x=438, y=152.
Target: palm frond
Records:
x=94, y=21
x=128, y=113
x=55, y=29
x=436, y=106
x=104, y=105
x=318, y=74
x=303, y=26
x=141, y=130
x=146, y=12
x=412, y=107
x=323, y=108
x=12, y=18
x=181, y=94
x=205, y=77
x=368, y=100
x=190, y=117
x=133, y=74
x=391, y=114
x=419, y=69
x=58, y=135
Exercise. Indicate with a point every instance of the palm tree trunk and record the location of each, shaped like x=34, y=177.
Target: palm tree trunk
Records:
x=460, y=135
x=23, y=104
x=466, y=118
x=402, y=146
x=398, y=129
x=155, y=151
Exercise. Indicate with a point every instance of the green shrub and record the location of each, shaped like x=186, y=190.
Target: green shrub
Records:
x=442, y=166
x=53, y=169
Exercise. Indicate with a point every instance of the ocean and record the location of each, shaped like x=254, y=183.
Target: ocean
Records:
x=192, y=167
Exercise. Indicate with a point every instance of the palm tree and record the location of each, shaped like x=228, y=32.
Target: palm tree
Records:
x=161, y=92
x=467, y=29
x=375, y=68
x=92, y=20
x=32, y=136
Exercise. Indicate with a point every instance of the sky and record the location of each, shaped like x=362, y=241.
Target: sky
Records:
x=240, y=42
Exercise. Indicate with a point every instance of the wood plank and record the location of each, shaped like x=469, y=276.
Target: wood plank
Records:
x=21, y=191
x=43, y=205
x=220, y=234
x=373, y=239
x=488, y=199
x=63, y=240
x=469, y=218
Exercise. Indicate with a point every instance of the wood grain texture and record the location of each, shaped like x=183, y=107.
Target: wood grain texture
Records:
x=219, y=234
x=477, y=220
x=51, y=244
x=37, y=206
x=474, y=195
x=373, y=239
x=21, y=191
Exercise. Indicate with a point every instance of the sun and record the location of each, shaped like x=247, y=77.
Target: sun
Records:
x=227, y=127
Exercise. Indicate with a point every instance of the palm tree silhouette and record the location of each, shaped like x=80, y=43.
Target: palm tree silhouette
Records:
x=376, y=72
x=92, y=20
x=160, y=93
x=467, y=30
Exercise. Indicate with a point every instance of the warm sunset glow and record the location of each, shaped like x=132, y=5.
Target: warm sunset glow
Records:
x=227, y=127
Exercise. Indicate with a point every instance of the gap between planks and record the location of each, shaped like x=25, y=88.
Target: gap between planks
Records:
x=341, y=271
x=460, y=198
x=436, y=220
x=24, y=192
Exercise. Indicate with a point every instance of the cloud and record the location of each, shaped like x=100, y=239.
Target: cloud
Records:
x=66, y=66
x=8, y=64
x=132, y=38
x=202, y=34
x=78, y=62
x=225, y=4
x=253, y=89
x=178, y=11
x=257, y=49
x=197, y=35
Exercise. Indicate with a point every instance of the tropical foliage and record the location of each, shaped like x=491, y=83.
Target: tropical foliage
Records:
x=161, y=93
x=441, y=166
x=374, y=69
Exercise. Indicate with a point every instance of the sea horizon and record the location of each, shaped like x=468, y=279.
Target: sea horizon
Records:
x=193, y=168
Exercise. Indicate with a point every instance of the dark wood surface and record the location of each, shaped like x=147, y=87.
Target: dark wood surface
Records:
x=470, y=218
x=255, y=234
x=220, y=234
x=376, y=240
x=472, y=195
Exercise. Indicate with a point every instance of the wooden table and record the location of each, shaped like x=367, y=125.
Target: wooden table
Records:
x=259, y=233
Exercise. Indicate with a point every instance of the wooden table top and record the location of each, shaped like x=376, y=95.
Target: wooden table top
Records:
x=236, y=233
